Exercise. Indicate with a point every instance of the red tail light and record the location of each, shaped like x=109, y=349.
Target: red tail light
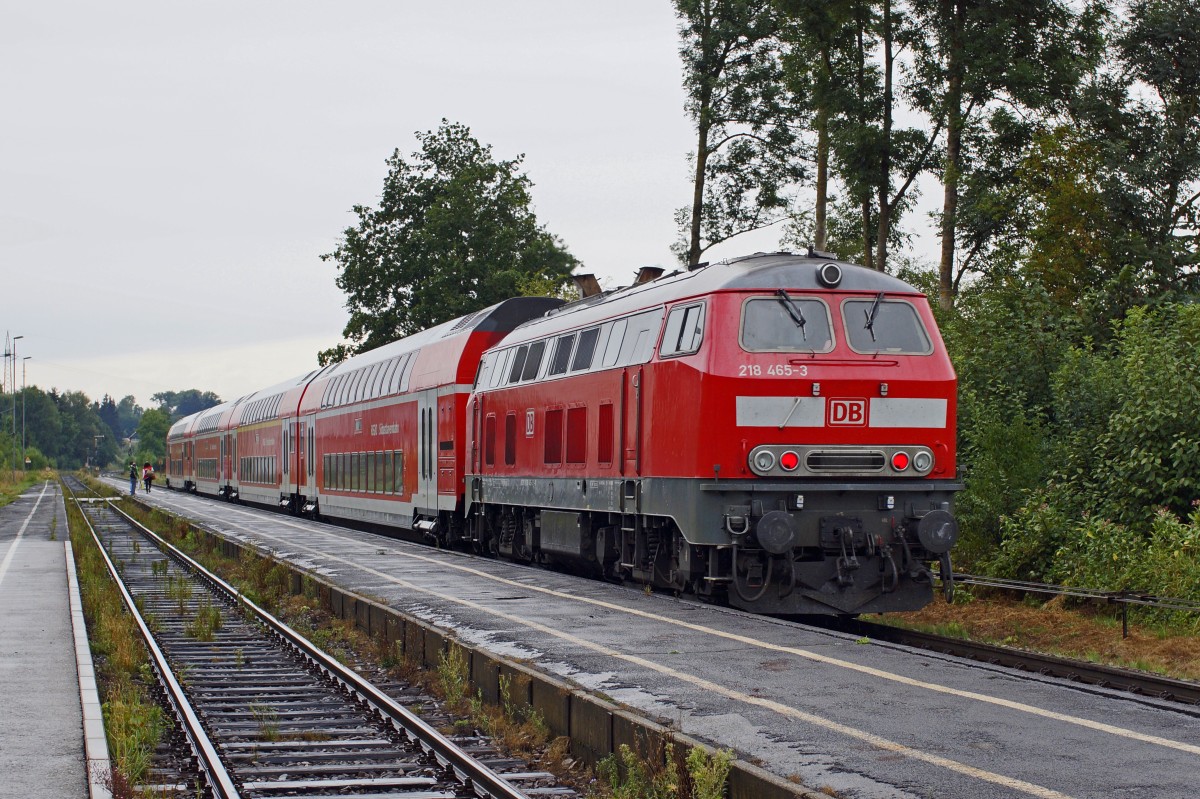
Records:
x=900, y=461
x=789, y=461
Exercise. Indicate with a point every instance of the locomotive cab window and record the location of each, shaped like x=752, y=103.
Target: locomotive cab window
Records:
x=786, y=323
x=881, y=325
x=685, y=330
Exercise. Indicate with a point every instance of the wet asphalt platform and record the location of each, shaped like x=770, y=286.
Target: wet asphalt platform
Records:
x=42, y=747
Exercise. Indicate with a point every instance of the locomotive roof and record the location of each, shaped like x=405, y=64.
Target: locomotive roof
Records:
x=761, y=271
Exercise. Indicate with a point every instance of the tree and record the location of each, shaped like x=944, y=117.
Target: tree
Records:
x=1027, y=54
x=454, y=232
x=152, y=434
x=748, y=156
x=184, y=403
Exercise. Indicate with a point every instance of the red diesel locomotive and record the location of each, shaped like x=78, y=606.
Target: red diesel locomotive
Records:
x=775, y=431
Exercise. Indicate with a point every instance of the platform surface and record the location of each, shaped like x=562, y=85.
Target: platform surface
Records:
x=41, y=725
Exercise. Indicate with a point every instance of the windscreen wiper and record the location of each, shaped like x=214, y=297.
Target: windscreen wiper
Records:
x=793, y=311
x=870, y=325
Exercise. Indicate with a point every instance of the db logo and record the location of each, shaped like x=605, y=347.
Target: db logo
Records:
x=848, y=412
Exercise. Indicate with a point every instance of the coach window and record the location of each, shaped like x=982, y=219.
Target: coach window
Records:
x=385, y=378
x=408, y=369
x=562, y=354
x=880, y=325
x=786, y=323
x=397, y=471
x=510, y=439
x=533, y=361
x=377, y=372
x=685, y=328
x=395, y=374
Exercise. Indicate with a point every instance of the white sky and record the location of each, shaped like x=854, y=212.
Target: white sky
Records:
x=170, y=172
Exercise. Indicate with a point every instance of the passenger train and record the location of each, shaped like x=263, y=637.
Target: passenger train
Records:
x=776, y=432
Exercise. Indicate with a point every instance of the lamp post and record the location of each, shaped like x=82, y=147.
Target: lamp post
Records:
x=14, y=390
x=24, y=456
x=96, y=450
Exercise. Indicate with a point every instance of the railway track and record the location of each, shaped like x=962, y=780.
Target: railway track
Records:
x=264, y=712
x=1135, y=682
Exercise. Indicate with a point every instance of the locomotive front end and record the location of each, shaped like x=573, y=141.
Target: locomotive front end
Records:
x=842, y=400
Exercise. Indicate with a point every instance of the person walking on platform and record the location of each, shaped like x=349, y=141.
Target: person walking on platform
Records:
x=132, y=478
x=147, y=475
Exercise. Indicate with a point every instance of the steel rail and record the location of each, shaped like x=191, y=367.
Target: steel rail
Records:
x=1140, y=683
x=219, y=780
x=481, y=780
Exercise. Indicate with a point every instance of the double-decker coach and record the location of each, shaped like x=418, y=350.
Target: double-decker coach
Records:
x=383, y=432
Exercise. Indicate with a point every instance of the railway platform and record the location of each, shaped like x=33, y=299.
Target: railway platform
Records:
x=42, y=728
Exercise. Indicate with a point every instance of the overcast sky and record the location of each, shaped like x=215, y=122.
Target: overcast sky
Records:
x=170, y=172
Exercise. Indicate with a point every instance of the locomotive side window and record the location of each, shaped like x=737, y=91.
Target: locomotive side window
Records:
x=604, y=438
x=585, y=350
x=484, y=372
x=501, y=369
x=685, y=329
x=510, y=439
x=554, y=436
x=562, y=354
x=640, y=338
x=613, y=348
x=786, y=323
x=518, y=364
x=880, y=325
x=533, y=361
x=577, y=435
x=489, y=440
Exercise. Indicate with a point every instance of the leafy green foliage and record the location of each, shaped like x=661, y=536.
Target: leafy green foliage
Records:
x=1125, y=432
x=747, y=160
x=453, y=233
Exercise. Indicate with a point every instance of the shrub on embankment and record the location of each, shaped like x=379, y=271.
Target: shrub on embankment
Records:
x=1083, y=455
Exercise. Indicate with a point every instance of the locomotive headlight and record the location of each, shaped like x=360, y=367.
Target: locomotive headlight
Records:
x=922, y=461
x=788, y=461
x=900, y=461
x=763, y=460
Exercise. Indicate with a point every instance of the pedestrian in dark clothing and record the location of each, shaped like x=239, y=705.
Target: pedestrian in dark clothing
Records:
x=132, y=478
x=147, y=475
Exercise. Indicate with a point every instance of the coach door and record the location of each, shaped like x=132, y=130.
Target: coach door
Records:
x=426, y=496
x=310, y=457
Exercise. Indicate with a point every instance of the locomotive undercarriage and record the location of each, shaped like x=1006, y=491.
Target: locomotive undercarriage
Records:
x=846, y=550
